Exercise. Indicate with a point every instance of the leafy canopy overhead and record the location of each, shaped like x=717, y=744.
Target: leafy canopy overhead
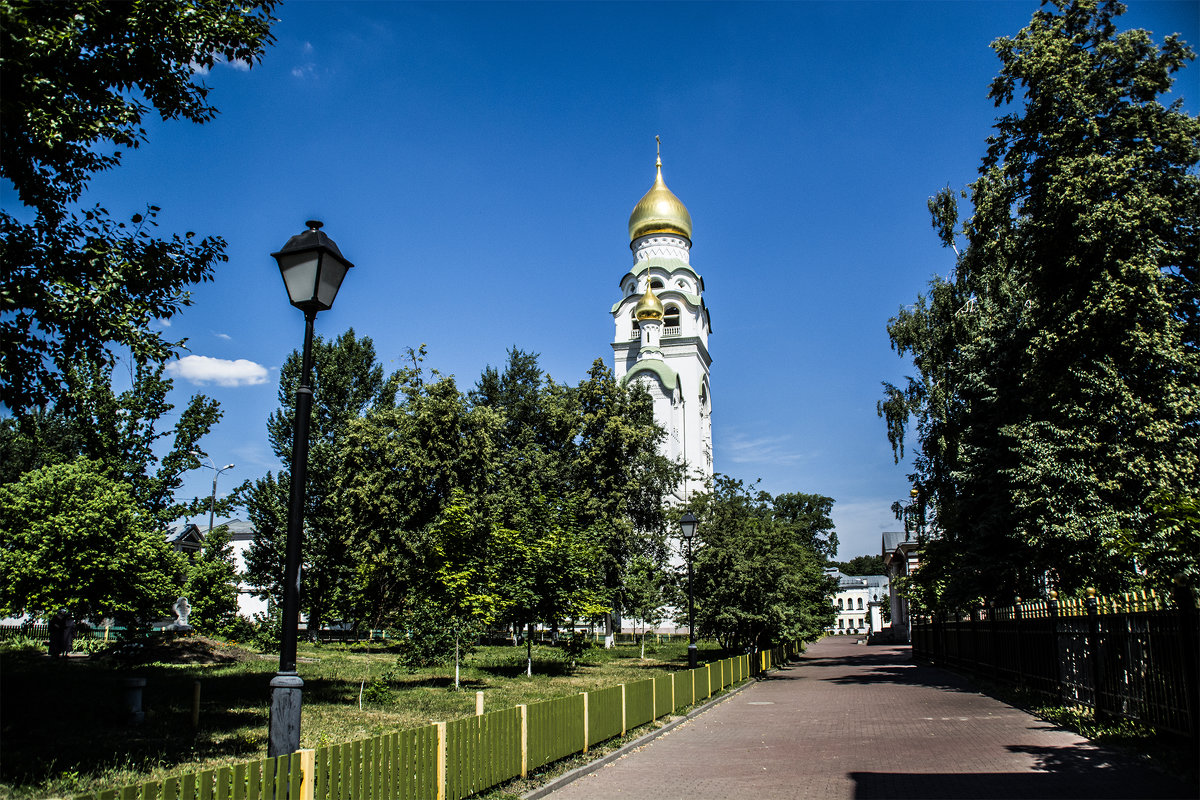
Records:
x=1056, y=399
x=77, y=79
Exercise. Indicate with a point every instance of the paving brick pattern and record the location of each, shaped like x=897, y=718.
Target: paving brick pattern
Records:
x=850, y=721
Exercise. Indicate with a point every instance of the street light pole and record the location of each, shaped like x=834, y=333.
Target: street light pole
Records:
x=687, y=525
x=212, y=501
x=312, y=268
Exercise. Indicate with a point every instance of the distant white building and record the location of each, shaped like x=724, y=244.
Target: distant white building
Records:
x=859, y=603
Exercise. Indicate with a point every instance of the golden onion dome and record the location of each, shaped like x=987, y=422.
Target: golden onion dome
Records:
x=649, y=307
x=660, y=211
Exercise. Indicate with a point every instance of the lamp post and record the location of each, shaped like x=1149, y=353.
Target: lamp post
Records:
x=312, y=268
x=212, y=502
x=687, y=525
x=919, y=514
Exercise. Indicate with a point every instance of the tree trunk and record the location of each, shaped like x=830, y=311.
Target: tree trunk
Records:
x=529, y=651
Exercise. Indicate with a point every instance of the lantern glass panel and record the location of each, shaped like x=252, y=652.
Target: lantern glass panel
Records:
x=332, y=273
x=299, y=274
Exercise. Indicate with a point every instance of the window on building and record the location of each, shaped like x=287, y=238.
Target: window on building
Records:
x=860, y=604
x=841, y=623
x=671, y=317
x=636, y=326
x=656, y=283
x=841, y=605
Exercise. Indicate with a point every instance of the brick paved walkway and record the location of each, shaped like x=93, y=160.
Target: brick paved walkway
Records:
x=850, y=721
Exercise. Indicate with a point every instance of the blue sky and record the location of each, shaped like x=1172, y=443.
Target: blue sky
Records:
x=478, y=163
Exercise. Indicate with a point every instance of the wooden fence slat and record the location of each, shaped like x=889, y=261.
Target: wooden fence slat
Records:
x=205, y=779
x=224, y=782
x=239, y=782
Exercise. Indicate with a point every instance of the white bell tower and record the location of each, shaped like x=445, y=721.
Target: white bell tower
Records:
x=662, y=329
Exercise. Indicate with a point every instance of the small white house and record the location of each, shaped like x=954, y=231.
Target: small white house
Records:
x=859, y=603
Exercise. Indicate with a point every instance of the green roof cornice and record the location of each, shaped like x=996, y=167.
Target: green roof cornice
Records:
x=668, y=376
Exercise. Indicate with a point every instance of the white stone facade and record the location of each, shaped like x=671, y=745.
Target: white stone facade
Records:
x=671, y=360
x=859, y=603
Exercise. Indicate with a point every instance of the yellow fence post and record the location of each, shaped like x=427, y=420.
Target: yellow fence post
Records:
x=585, y=721
x=479, y=704
x=441, y=760
x=673, y=704
x=622, y=709
x=308, y=766
x=524, y=740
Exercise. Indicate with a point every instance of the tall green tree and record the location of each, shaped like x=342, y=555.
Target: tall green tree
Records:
x=645, y=593
x=77, y=78
x=758, y=581
x=73, y=537
x=1058, y=369
x=124, y=431
x=402, y=466
x=348, y=383
x=211, y=584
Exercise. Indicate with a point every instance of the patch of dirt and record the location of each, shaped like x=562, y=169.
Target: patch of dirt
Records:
x=168, y=649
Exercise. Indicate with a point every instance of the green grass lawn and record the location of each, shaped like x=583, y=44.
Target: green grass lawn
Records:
x=61, y=734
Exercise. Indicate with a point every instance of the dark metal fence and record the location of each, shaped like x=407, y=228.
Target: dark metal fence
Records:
x=1132, y=658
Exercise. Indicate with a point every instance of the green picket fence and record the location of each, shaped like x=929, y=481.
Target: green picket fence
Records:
x=454, y=760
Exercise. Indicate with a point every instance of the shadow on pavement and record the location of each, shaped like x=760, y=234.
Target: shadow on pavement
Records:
x=1067, y=785
x=892, y=667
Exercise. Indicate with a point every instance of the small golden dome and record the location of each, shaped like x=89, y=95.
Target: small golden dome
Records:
x=649, y=307
x=660, y=211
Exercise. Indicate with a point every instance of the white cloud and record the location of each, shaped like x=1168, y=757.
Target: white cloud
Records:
x=221, y=371
x=166, y=323
x=239, y=65
x=304, y=71
x=198, y=68
x=308, y=48
x=224, y=336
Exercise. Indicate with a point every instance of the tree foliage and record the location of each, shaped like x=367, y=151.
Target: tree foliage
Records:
x=123, y=431
x=211, y=584
x=862, y=565
x=72, y=537
x=758, y=580
x=348, y=382
x=76, y=80
x=1058, y=368
x=512, y=504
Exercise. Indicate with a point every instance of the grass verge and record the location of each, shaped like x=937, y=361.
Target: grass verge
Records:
x=62, y=734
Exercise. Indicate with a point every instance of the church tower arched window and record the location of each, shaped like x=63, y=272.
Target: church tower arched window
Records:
x=671, y=320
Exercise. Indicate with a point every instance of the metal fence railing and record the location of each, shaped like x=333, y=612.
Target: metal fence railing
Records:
x=1132, y=657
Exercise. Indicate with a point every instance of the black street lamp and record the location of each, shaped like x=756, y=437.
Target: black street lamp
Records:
x=687, y=524
x=918, y=514
x=312, y=269
x=212, y=502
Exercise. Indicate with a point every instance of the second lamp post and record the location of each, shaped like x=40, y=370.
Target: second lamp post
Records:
x=312, y=269
x=687, y=525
